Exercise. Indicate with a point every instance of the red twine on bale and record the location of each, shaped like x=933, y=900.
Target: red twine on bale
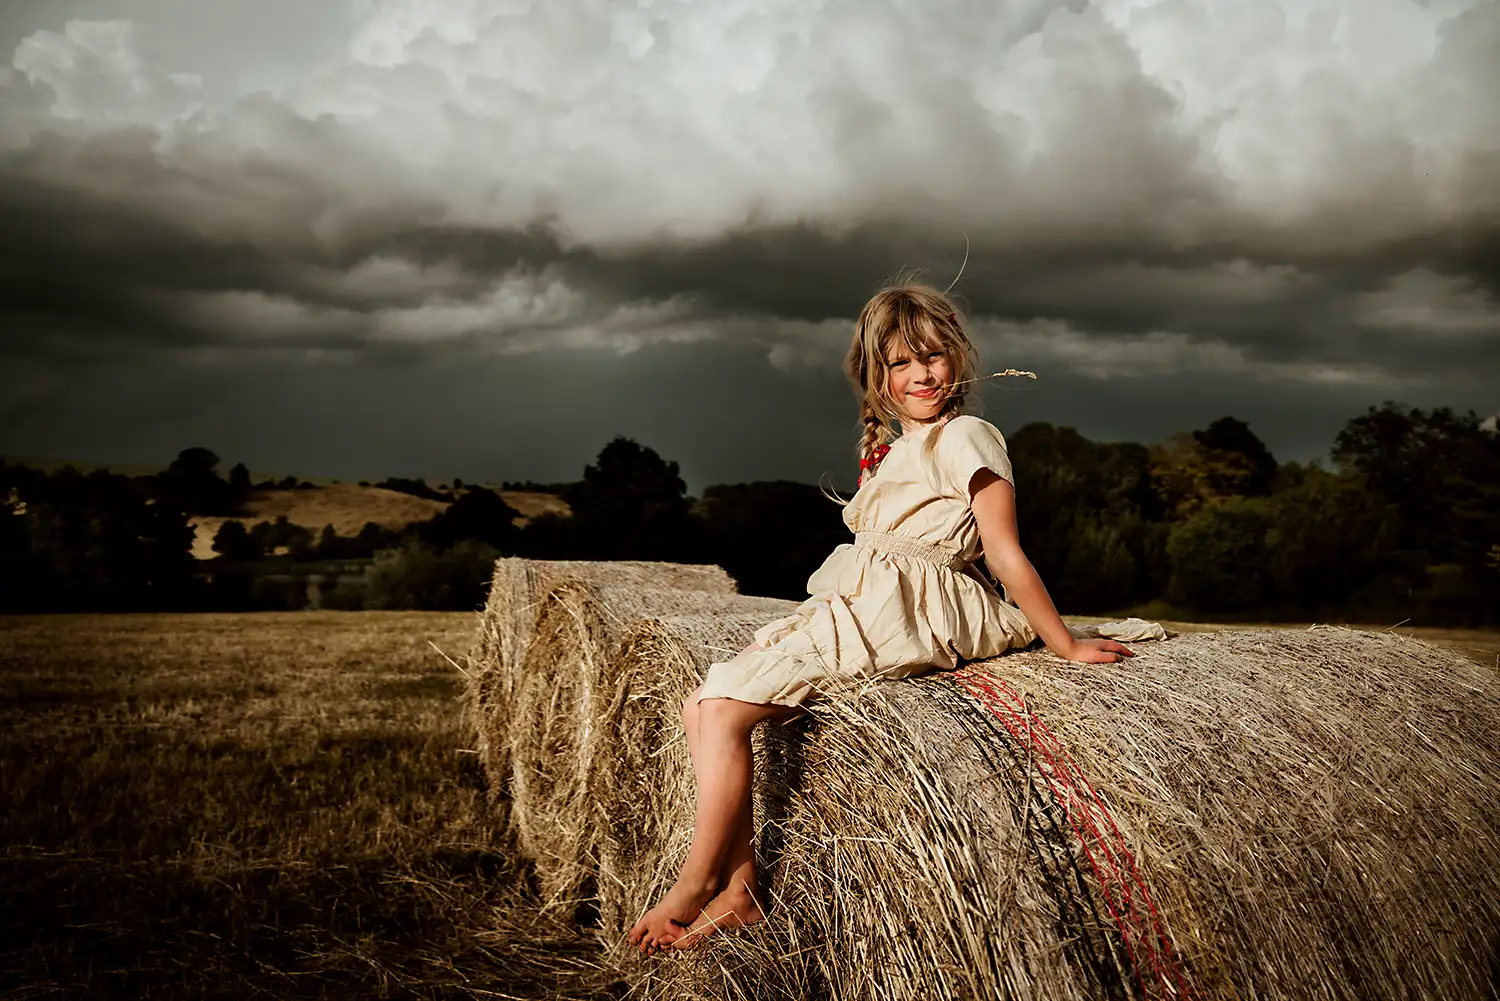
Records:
x=1158, y=969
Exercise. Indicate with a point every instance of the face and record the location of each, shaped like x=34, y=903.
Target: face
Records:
x=919, y=381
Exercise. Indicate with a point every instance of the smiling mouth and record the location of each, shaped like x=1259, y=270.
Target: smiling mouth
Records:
x=924, y=394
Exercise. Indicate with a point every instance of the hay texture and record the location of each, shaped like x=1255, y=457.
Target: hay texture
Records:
x=1274, y=814
x=545, y=682
x=1269, y=814
x=518, y=590
x=640, y=843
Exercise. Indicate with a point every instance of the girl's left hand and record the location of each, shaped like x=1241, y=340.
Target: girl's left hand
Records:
x=1099, y=651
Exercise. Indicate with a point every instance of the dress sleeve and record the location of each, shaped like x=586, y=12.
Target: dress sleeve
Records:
x=968, y=445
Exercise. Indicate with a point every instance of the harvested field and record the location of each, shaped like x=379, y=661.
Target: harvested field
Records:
x=1267, y=813
x=257, y=805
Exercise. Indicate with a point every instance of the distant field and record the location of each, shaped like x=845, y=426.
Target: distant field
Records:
x=276, y=805
x=345, y=506
x=226, y=806
x=348, y=506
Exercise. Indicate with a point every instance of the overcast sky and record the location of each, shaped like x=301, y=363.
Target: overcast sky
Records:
x=362, y=238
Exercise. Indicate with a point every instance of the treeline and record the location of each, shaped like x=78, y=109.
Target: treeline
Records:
x=1403, y=525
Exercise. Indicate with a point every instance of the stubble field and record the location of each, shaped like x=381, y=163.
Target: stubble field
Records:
x=268, y=805
x=256, y=805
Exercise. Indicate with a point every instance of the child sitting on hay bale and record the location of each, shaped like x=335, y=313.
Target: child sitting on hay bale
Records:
x=903, y=599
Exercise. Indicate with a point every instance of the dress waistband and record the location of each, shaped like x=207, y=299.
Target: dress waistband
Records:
x=906, y=545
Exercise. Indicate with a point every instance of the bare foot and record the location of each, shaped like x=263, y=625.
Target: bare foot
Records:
x=734, y=908
x=670, y=919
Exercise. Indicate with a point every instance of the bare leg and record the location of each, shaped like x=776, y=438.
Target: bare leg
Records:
x=723, y=764
x=740, y=846
x=735, y=905
x=738, y=871
x=690, y=716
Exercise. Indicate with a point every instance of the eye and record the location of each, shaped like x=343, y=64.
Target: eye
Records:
x=898, y=363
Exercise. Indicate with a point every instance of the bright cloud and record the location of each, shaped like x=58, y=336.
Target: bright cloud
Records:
x=1127, y=167
x=97, y=75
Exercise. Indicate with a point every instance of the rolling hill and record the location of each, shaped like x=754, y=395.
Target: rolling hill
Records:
x=347, y=507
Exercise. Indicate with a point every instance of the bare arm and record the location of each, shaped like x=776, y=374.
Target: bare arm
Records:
x=994, y=504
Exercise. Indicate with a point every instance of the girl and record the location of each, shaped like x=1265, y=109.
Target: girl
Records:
x=903, y=599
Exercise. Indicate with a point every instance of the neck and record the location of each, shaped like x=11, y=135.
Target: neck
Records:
x=908, y=424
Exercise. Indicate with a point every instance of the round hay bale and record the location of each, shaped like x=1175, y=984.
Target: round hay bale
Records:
x=643, y=751
x=508, y=622
x=1270, y=814
x=565, y=688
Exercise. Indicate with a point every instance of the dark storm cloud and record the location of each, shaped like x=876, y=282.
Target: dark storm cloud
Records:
x=94, y=266
x=1148, y=192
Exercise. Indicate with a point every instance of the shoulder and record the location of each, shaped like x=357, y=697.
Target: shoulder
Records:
x=967, y=427
x=966, y=445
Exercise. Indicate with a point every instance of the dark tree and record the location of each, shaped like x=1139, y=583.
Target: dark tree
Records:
x=1327, y=538
x=1218, y=558
x=239, y=480
x=769, y=537
x=417, y=577
x=234, y=543
x=192, y=484
x=299, y=543
x=1186, y=475
x=1088, y=518
x=330, y=546
x=1234, y=436
x=1440, y=469
x=480, y=516
x=195, y=462
x=90, y=543
x=371, y=539
x=548, y=536
x=282, y=534
x=631, y=505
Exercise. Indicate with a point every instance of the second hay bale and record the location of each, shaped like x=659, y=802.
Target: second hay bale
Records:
x=508, y=622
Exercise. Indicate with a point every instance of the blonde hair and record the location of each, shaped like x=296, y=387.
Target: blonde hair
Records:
x=919, y=317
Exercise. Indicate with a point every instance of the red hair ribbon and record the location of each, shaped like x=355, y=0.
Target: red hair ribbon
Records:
x=868, y=465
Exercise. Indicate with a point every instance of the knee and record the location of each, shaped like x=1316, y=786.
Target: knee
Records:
x=730, y=715
x=690, y=707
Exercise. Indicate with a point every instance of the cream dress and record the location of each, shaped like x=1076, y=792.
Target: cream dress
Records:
x=879, y=613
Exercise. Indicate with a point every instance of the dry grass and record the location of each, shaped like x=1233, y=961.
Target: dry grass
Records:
x=277, y=805
x=531, y=504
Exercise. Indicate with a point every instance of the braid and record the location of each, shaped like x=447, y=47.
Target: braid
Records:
x=871, y=438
